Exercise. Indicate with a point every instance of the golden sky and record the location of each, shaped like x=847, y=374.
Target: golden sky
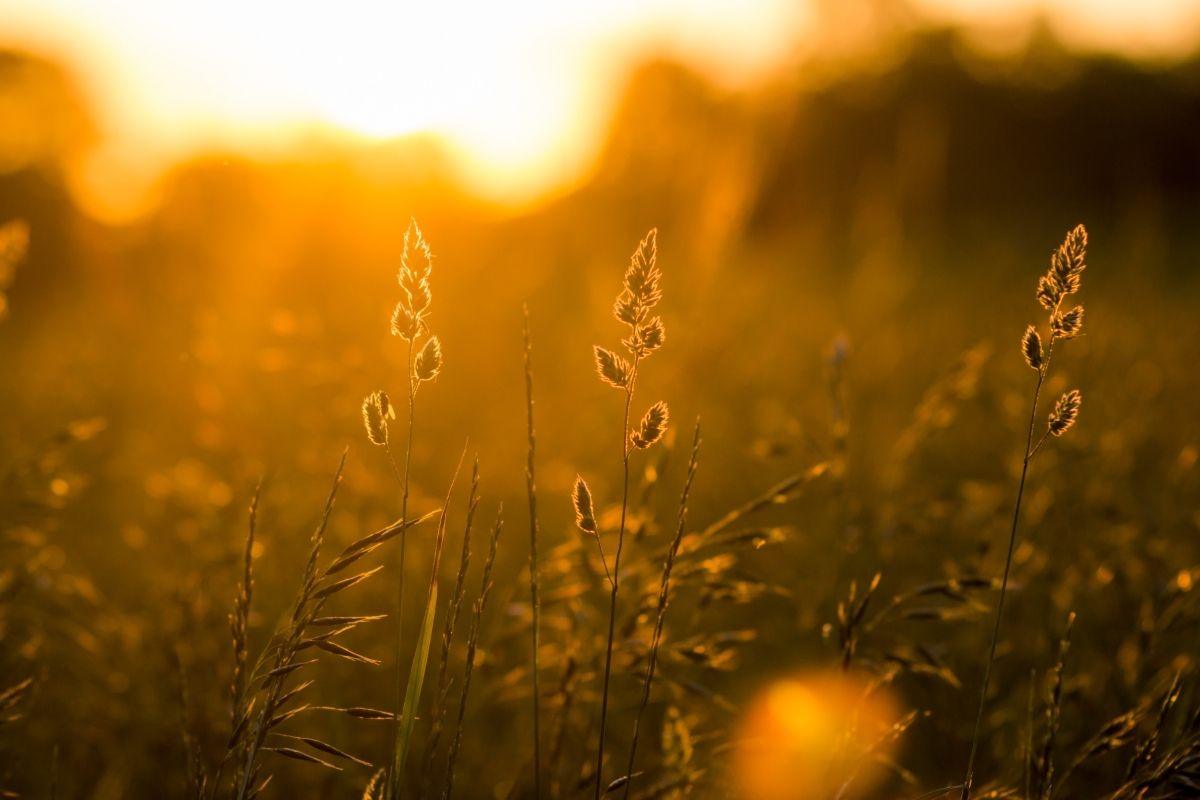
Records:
x=519, y=89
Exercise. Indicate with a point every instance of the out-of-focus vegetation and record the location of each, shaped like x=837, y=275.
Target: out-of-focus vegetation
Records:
x=848, y=266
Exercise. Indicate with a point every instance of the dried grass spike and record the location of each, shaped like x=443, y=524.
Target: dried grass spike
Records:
x=1065, y=412
x=626, y=309
x=419, y=295
x=1031, y=347
x=641, y=278
x=1067, y=325
x=1068, y=262
x=652, y=427
x=585, y=515
x=375, y=410
x=646, y=338
x=405, y=323
x=416, y=257
x=429, y=360
x=1048, y=293
x=613, y=369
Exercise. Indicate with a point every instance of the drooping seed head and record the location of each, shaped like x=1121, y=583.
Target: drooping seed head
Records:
x=612, y=369
x=585, y=516
x=1067, y=325
x=1065, y=412
x=652, y=427
x=375, y=410
x=429, y=361
x=1031, y=347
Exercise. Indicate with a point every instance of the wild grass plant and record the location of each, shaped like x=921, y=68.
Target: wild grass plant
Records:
x=1063, y=280
x=614, y=669
x=640, y=293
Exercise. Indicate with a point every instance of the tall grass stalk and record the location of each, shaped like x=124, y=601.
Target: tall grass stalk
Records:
x=472, y=643
x=663, y=598
x=639, y=294
x=1067, y=264
x=424, y=364
x=442, y=695
x=534, y=600
x=420, y=661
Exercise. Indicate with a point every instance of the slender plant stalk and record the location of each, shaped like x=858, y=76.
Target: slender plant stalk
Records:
x=534, y=599
x=663, y=597
x=639, y=294
x=286, y=651
x=442, y=695
x=1027, y=765
x=239, y=622
x=1063, y=279
x=408, y=322
x=393, y=778
x=616, y=576
x=472, y=643
x=1012, y=541
x=416, y=675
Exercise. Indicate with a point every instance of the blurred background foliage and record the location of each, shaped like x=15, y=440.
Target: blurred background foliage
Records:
x=849, y=255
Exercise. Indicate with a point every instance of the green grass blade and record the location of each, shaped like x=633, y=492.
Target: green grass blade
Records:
x=412, y=695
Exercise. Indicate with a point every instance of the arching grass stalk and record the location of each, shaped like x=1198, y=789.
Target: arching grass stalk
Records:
x=639, y=294
x=1067, y=264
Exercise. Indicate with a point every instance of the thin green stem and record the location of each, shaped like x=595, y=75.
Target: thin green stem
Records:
x=616, y=576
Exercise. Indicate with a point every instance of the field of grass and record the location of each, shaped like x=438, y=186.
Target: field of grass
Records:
x=707, y=478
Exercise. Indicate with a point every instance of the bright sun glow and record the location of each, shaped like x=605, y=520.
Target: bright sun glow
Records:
x=519, y=89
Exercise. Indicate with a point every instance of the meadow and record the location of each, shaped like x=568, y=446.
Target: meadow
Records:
x=705, y=477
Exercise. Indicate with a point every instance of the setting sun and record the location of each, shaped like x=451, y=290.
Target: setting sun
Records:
x=518, y=90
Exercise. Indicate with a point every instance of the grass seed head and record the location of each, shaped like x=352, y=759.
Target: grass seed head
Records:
x=1067, y=324
x=585, y=515
x=1069, y=261
x=429, y=360
x=1031, y=347
x=641, y=291
x=416, y=262
x=1066, y=410
x=652, y=427
x=376, y=409
x=646, y=337
x=612, y=369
